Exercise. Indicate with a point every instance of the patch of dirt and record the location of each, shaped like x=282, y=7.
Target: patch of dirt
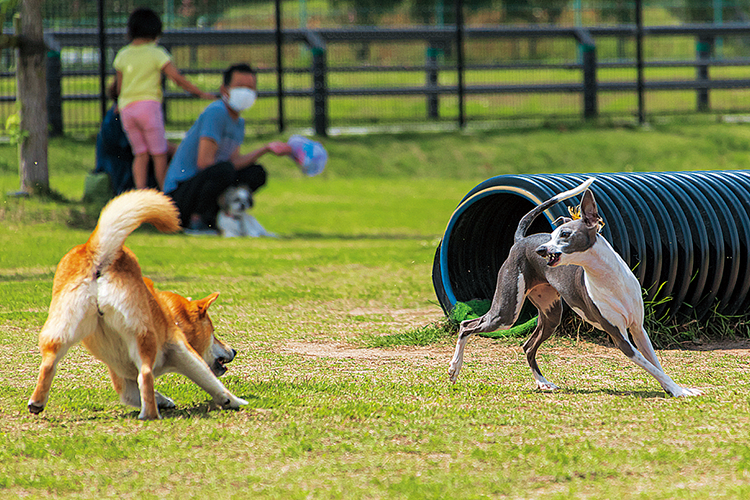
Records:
x=342, y=351
x=488, y=350
x=560, y=350
x=739, y=347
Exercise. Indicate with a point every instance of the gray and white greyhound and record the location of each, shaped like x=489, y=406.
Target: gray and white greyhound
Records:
x=579, y=265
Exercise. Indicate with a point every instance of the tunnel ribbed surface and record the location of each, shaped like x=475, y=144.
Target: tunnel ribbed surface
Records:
x=685, y=235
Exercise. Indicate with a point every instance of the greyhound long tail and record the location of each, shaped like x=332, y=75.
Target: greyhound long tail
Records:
x=527, y=219
x=122, y=215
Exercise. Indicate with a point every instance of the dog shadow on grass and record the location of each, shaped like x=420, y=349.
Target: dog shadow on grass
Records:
x=206, y=410
x=608, y=392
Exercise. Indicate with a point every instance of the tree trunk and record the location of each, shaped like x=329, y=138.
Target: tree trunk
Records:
x=32, y=99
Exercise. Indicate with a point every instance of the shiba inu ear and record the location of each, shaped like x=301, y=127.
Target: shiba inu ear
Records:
x=589, y=212
x=202, y=304
x=149, y=284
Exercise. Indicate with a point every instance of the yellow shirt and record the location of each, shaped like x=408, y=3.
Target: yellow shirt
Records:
x=141, y=67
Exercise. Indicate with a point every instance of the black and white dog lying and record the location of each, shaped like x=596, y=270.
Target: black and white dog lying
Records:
x=579, y=265
x=233, y=219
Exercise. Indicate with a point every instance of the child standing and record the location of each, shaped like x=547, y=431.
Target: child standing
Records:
x=139, y=67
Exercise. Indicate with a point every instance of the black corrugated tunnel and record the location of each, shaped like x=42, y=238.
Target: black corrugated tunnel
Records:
x=685, y=235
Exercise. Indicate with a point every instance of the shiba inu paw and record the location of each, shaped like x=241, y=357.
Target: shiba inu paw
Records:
x=148, y=416
x=164, y=403
x=233, y=403
x=35, y=408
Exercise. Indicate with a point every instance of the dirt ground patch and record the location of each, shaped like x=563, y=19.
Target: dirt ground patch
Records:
x=342, y=351
x=487, y=350
x=738, y=347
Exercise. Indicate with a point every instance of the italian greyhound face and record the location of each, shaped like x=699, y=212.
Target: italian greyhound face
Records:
x=574, y=237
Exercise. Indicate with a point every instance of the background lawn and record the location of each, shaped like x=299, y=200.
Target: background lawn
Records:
x=329, y=415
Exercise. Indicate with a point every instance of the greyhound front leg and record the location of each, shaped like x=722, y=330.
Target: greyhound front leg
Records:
x=666, y=382
x=643, y=343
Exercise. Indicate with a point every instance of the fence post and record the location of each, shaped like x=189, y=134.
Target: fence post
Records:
x=704, y=48
x=590, y=90
x=320, y=85
x=460, y=62
x=640, y=86
x=433, y=104
x=102, y=35
x=279, y=66
x=54, y=88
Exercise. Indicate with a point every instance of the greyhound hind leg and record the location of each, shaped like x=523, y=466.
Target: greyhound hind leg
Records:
x=547, y=301
x=506, y=306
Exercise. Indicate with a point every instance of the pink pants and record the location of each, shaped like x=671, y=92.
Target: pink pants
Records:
x=143, y=123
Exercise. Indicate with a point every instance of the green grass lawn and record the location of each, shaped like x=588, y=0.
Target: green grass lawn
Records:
x=329, y=415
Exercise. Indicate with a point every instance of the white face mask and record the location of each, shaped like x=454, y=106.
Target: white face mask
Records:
x=241, y=98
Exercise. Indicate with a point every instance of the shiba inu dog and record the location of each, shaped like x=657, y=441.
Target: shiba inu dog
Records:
x=100, y=298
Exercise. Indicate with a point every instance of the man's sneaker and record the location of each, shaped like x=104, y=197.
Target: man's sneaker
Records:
x=199, y=228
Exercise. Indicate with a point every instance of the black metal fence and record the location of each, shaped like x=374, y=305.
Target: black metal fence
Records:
x=325, y=78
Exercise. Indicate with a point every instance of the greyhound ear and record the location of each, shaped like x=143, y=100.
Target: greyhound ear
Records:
x=562, y=220
x=202, y=304
x=589, y=212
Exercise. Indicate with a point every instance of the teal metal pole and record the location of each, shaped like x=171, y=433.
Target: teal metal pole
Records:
x=718, y=19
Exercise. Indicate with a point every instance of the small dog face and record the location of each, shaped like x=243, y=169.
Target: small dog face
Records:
x=574, y=236
x=222, y=354
x=235, y=200
x=193, y=319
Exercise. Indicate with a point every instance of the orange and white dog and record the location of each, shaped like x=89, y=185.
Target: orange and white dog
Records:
x=99, y=297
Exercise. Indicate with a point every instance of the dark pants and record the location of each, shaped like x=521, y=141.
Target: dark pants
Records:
x=198, y=195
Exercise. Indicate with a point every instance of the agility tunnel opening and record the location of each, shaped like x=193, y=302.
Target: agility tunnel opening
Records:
x=685, y=235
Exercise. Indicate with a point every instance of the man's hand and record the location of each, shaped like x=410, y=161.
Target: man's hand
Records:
x=279, y=148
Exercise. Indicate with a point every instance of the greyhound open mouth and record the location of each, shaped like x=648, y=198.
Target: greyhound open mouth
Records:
x=553, y=258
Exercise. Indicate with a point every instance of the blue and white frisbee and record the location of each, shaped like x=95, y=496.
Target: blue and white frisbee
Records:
x=309, y=155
